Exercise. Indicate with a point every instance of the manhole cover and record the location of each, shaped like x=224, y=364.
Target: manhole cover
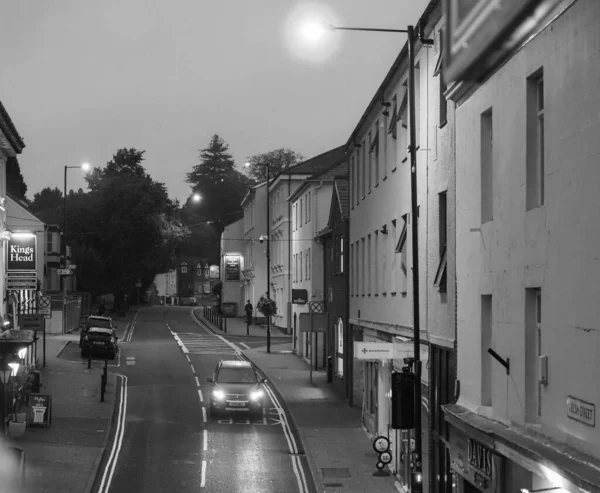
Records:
x=335, y=472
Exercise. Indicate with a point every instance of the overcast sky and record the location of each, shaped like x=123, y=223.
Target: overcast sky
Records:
x=83, y=78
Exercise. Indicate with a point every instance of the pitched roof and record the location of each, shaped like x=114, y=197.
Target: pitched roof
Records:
x=10, y=131
x=318, y=164
x=331, y=174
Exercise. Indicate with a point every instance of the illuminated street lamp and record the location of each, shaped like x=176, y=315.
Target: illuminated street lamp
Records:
x=268, y=238
x=196, y=197
x=313, y=31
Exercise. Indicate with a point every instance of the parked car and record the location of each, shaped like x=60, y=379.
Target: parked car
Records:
x=96, y=321
x=188, y=301
x=99, y=336
x=237, y=388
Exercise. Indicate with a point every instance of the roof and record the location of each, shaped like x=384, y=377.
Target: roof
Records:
x=235, y=364
x=23, y=205
x=10, y=131
x=327, y=175
x=318, y=164
x=96, y=317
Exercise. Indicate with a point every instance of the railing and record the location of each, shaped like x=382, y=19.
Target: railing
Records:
x=215, y=318
x=71, y=316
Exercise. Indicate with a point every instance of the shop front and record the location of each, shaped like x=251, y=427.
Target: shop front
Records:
x=489, y=457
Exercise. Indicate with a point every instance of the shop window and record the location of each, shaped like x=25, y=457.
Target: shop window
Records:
x=340, y=347
x=184, y=268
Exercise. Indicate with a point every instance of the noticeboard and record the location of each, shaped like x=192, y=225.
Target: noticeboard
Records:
x=39, y=410
x=232, y=268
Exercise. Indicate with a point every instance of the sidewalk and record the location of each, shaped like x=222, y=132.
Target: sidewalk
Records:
x=236, y=326
x=65, y=456
x=340, y=453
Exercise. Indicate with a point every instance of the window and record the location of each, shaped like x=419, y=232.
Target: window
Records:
x=308, y=212
x=384, y=140
x=301, y=211
x=392, y=127
x=49, y=248
x=417, y=79
x=358, y=177
x=339, y=255
x=370, y=160
x=370, y=265
x=364, y=170
x=535, y=141
x=308, y=261
x=374, y=150
x=440, y=276
x=376, y=265
x=371, y=378
x=439, y=72
x=352, y=180
x=486, y=343
x=402, y=250
x=394, y=269
x=487, y=195
x=351, y=280
x=533, y=350
x=403, y=119
x=340, y=347
x=363, y=267
x=184, y=268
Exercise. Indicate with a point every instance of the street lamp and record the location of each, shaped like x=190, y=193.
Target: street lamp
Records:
x=268, y=238
x=315, y=31
x=196, y=197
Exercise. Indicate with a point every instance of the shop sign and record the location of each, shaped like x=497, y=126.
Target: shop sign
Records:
x=299, y=296
x=20, y=254
x=373, y=350
x=39, y=410
x=232, y=268
x=214, y=271
x=475, y=462
x=581, y=411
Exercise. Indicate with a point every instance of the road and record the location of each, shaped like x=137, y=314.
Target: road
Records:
x=162, y=439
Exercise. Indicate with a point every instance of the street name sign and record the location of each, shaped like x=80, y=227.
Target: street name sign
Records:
x=64, y=272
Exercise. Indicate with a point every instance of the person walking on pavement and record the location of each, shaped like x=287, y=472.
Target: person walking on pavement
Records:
x=249, y=309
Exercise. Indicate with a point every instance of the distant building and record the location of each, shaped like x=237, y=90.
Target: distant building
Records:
x=232, y=265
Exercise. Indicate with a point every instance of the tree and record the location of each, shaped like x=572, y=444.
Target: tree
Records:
x=220, y=184
x=48, y=205
x=15, y=184
x=279, y=160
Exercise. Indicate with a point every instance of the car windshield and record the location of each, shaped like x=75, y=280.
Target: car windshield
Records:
x=236, y=375
x=99, y=322
x=100, y=331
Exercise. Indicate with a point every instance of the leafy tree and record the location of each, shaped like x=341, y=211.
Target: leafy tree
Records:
x=47, y=205
x=220, y=184
x=279, y=160
x=15, y=184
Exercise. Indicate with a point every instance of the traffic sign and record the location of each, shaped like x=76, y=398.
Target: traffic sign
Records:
x=21, y=283
x=72, y=266
x=45, y=301
x=64, y=272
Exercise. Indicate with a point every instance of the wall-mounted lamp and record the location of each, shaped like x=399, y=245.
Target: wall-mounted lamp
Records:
x=384, y=230
x=499, y=359
x=357, y=145
x=385, y=104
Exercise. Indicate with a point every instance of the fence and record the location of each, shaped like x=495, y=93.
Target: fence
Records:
x=215, y=318
x=71, y=315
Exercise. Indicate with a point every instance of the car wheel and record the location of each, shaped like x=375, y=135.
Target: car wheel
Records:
x=213, y=412
x=257, y=414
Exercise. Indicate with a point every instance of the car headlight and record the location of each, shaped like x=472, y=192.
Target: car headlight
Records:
x=256, y=395
x=218, y=395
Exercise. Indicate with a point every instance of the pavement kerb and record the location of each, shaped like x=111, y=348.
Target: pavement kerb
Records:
x=314, y=473
x=100, y=455
x=62, y=348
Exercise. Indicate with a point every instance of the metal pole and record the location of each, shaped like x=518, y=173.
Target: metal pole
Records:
x=63, y=279
x=415, y=244
x=3, y=410
x=268, y=256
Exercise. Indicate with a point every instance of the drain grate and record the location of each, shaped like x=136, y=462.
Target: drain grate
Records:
x=335, y=472
x=333, y=485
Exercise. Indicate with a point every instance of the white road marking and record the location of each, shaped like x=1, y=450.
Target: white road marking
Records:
x=197, y=382
x=203, y=343
x=193, y=369
x=245, y=345
x=205, y=440
x=200, y=395
x=203, y=477
x=130, y=360
x=204, y=414
x=188, y=358
x=178, y=340
x=118, y=442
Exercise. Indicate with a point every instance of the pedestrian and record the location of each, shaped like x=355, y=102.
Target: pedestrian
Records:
x=249, y=309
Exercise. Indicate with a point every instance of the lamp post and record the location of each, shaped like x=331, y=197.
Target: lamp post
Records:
x=268, y=239
x=315, y=31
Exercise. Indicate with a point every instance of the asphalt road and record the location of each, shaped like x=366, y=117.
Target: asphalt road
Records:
x=165, y=441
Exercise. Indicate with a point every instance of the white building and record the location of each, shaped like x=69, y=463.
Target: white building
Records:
x=282, y=187
x=254, y=272
x=381, y=252
x=166, y=284
x=311, y=205
x=528, y=268
x=232, y=264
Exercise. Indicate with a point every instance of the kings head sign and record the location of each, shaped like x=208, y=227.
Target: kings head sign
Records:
x=21, y=253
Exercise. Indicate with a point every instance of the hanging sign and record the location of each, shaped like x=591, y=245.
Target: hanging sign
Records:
x=232, y=268
x=21, y=253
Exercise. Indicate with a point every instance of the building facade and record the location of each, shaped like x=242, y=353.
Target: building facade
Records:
x=254, y=273
x=381, y=252
x=310, y=206
x=528, y=176
x=232, y=265
x=335, y=238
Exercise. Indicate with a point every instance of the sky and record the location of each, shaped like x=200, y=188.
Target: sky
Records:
x=82, y=79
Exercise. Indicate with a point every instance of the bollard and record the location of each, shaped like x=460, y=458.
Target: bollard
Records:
x=89, y=362
x=102, y=387
x=225, y=325
x=329, y=369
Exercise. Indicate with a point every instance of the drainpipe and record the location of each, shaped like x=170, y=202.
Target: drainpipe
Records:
x=349, y=345
x=289, y=265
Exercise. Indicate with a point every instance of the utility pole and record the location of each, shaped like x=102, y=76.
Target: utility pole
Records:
x=268, y=256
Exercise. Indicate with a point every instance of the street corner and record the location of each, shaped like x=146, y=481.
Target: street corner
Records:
x=72, y=353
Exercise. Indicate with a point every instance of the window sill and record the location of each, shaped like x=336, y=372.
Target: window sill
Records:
x=376, y=185
x=443, y=124
x=383, y=294
x=384, y=178
x=406, y=158
x=369, y=295
x=393, y=294
x=394, y=169
x=403, y=293
x=362, y=198
x=376, y=294
x=363, y=295
x=369, y=192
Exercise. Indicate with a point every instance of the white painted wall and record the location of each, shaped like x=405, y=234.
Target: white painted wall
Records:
x=554, y=247
x=232, y=243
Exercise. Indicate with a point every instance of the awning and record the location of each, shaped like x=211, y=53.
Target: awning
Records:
x=534, y=453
